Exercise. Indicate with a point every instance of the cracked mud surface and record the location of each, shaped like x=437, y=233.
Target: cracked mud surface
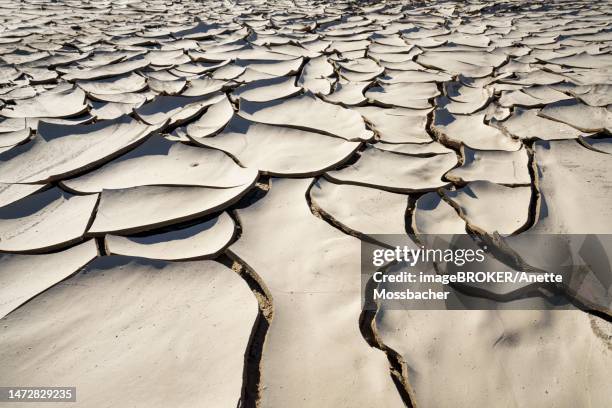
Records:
x=184, y=186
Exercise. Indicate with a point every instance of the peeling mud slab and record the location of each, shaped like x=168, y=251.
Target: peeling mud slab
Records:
x=45, y=221
x=279, y=150
x=491, y=207
x=362, y=210
x=25, y=276
x=441, y=343
x=160, y=162
x=62, y=150
x=396, y=172
x=509, y=168
x=303, y=330
x=203, y=240
x=116, y=319
x=145, y=208
x=568, y=166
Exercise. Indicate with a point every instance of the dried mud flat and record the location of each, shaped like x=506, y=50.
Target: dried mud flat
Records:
x=184, y=187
